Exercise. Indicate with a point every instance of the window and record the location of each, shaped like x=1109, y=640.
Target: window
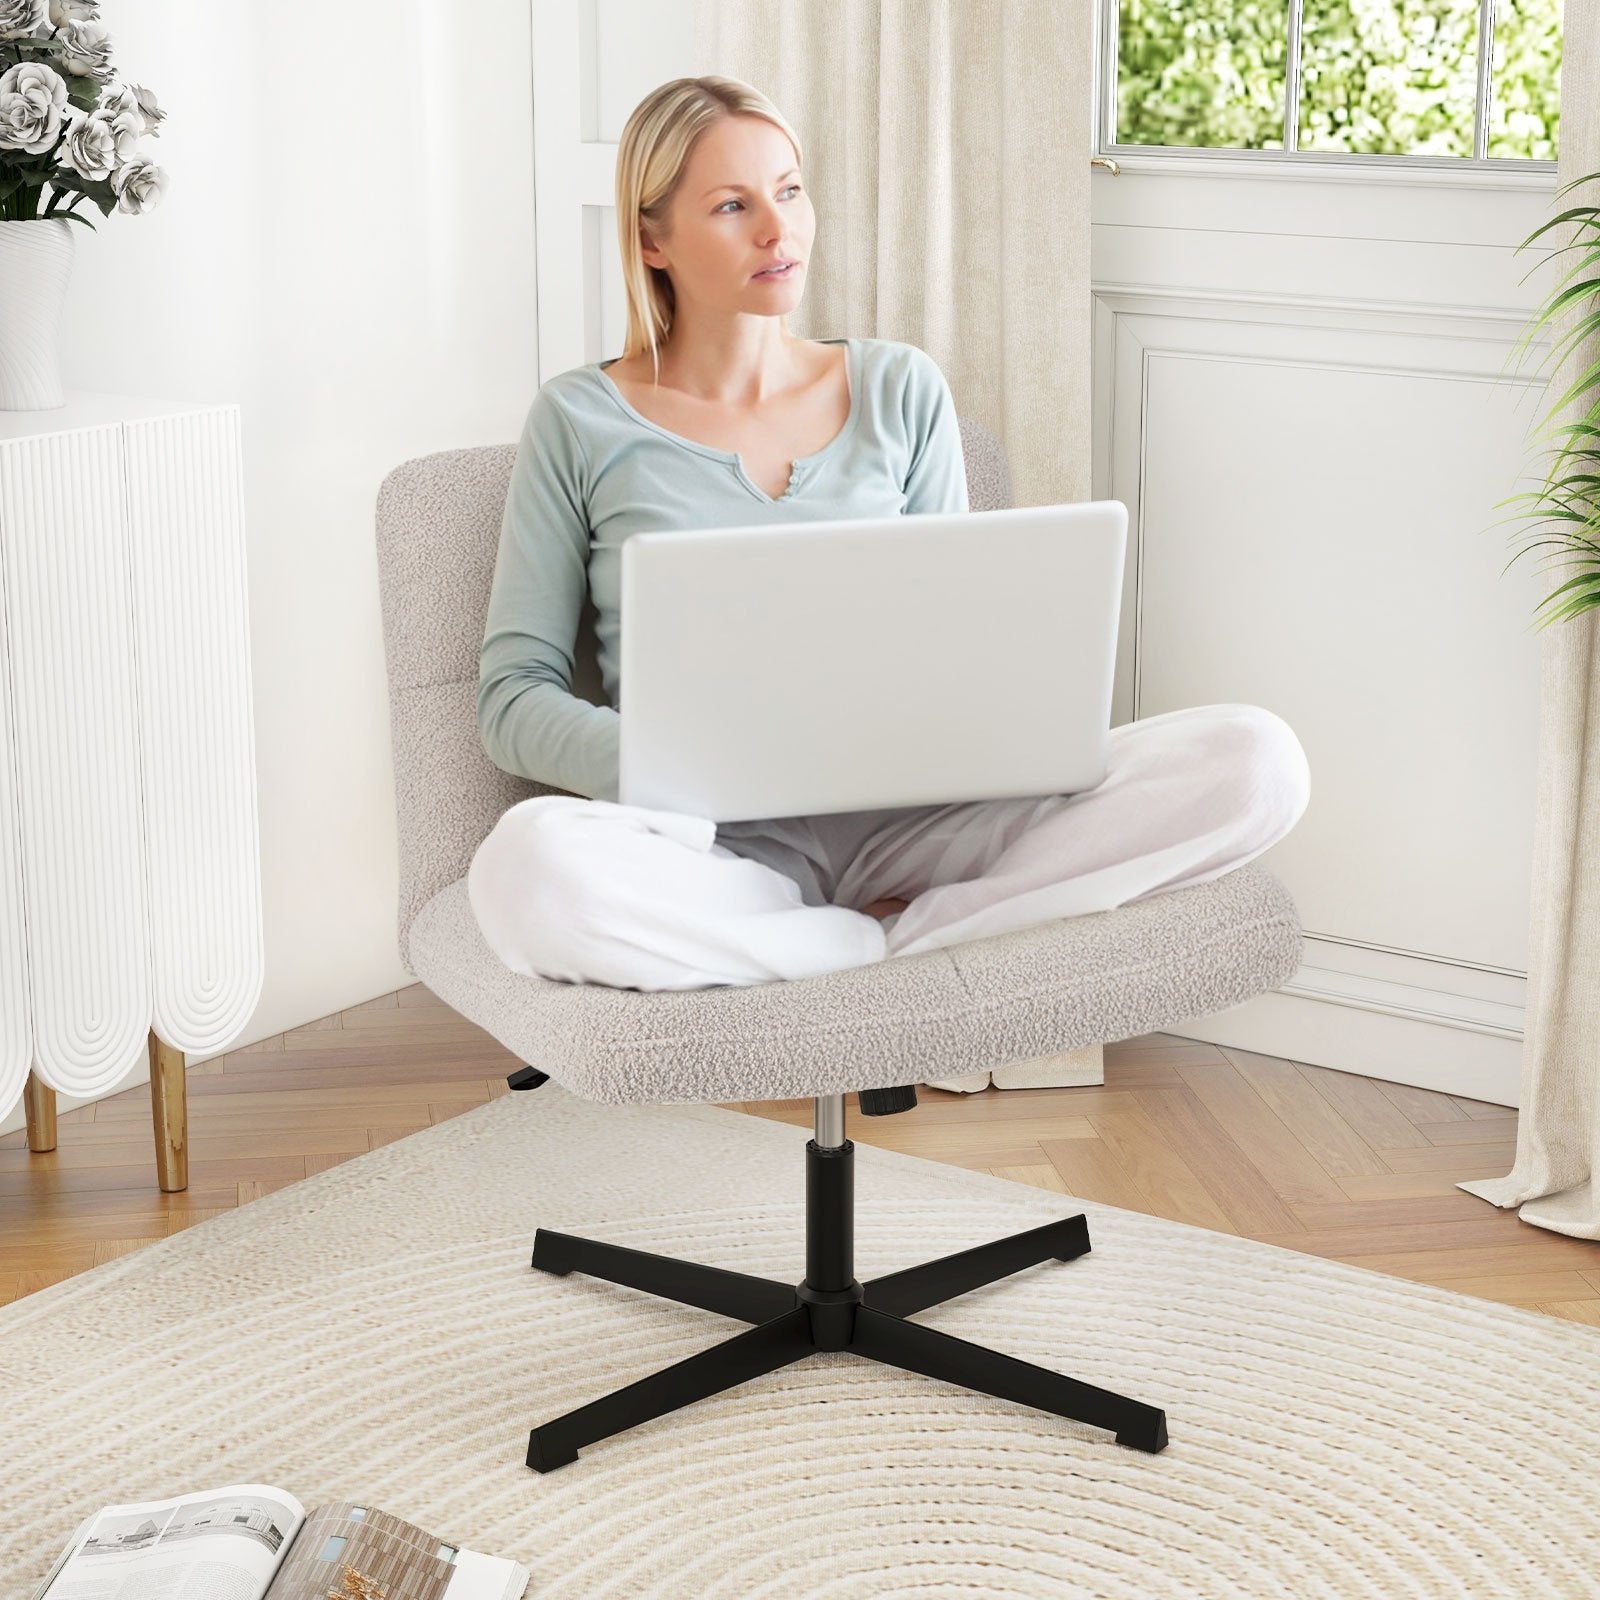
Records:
x=333, y=1547
x=1431, y=81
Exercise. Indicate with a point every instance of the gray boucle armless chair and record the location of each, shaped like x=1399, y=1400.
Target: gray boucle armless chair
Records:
x=878, y=1029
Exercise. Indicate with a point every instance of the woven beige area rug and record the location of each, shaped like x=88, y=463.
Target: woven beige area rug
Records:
x=377, y=1333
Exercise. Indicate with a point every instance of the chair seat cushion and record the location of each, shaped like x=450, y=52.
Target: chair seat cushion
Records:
x=1039, y=991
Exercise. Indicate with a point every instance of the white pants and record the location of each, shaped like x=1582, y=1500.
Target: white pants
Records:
x=589, y=891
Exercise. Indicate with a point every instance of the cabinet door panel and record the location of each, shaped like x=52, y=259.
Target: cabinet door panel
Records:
x=77, y=759
x=16, y=1031
x=187, y=558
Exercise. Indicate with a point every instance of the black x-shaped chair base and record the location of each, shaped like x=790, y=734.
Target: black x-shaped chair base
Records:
x=792, y=1321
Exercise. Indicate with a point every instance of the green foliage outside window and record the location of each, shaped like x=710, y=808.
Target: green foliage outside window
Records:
x=1202, y=72
x=1525, y=109
x=1378, y=77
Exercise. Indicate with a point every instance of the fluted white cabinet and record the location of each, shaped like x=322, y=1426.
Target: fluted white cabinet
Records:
x=130, y=885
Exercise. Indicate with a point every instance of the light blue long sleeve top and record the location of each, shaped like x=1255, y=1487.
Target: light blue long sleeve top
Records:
x=590, y=470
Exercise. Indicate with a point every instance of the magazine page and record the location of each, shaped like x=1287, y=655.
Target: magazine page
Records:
x=216, y=1544
x=359, y=1552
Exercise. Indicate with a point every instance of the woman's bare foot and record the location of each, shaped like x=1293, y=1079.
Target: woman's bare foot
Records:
x=885, y=908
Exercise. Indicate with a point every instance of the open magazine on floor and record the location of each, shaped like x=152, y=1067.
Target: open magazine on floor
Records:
x=253, y=1542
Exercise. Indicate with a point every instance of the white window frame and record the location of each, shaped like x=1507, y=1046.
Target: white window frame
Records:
x=1475, y=172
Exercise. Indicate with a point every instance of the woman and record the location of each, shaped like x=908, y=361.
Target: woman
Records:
x=715, y=415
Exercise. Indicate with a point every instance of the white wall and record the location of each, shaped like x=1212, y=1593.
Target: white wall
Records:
x=346, y=249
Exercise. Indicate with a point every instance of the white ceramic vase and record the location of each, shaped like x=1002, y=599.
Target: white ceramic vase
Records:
x=35, y=263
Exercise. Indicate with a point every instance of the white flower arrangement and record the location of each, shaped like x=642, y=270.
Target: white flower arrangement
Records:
x=59, y=128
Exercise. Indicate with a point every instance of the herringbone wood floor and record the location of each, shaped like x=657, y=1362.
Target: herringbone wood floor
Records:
x=1305, y=1157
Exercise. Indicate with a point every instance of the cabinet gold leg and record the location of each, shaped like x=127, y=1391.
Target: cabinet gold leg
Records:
x=40, y=1101
x=169, y=1107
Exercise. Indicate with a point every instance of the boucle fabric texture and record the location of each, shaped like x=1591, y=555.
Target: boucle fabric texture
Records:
x=1037, y=992
x=376, y=1333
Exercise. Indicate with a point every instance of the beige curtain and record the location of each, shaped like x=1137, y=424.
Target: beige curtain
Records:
x=1558, y=1130
x=947, y=148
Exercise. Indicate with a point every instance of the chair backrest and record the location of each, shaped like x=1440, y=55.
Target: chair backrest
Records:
x=438, y=530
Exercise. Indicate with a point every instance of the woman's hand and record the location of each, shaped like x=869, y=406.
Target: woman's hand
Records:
x=885, y=908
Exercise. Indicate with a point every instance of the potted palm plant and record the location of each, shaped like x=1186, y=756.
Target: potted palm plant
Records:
x=66, y=136
x=1567, y=509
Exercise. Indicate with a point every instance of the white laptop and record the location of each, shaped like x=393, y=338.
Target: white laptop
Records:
x=801, y=668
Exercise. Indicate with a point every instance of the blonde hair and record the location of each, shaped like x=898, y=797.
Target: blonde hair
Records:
x=651, y=155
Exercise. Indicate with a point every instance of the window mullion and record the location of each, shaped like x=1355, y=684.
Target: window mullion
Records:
x=1480, y=109
x=1291, y=90
x=1110, y=70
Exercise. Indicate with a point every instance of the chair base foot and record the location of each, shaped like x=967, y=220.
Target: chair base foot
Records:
x=1150, y=1437
x=790, y=1322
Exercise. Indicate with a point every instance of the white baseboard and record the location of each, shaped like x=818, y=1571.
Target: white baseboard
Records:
x=1452, y=1050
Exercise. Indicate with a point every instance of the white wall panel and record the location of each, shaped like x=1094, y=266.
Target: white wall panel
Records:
x=1327, y=513
x=632, y=47
x=1373, y=274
